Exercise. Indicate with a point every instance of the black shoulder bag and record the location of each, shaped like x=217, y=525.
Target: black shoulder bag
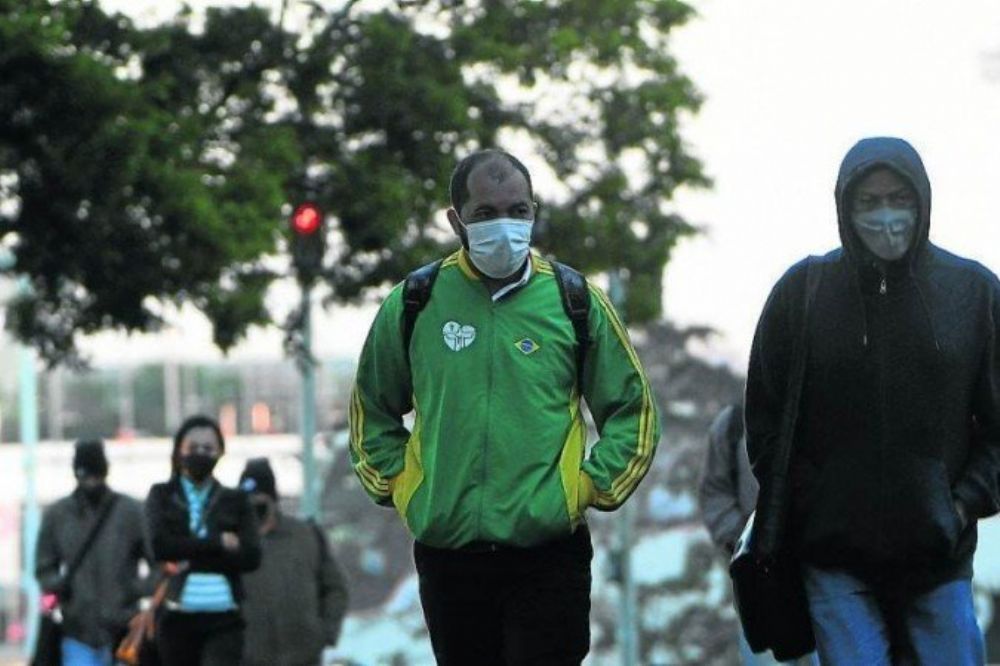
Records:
x=767, y=582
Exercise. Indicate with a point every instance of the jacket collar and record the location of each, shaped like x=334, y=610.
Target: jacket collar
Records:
x=530, y=268
x=179, y=497
x=82, y=506
x=280, y=529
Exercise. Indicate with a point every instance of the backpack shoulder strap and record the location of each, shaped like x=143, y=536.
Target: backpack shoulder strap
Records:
x=576, y=304
x=416, y=292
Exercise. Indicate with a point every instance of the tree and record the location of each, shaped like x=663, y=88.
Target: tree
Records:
x=149, y=166
x=119, y=203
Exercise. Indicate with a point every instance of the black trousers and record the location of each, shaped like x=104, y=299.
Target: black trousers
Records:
x=200, y=639
x=509, y=606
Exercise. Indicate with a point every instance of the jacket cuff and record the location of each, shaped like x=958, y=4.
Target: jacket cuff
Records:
x=587, y=492
x=730, y=532
x=386, y=500
x=967, y=495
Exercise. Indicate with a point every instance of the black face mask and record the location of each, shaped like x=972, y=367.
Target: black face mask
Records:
x=199, y=466
x=263, y=510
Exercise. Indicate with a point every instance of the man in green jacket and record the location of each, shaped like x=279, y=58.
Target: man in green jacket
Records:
x=492, y=478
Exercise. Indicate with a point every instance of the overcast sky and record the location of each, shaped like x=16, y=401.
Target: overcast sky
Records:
x=789, y=87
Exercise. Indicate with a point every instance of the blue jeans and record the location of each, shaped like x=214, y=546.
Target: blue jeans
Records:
x=75, y=653
x=858, y=623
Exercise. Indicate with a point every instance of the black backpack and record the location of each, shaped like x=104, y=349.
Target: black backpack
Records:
x=572, y=289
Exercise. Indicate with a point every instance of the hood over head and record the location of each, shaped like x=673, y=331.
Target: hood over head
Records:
x=902, y=158
x=89, y=459
x=899, y=156
x=258, y=477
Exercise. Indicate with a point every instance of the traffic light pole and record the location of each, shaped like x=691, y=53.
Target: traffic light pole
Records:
x=309, y=507
x=308, y=244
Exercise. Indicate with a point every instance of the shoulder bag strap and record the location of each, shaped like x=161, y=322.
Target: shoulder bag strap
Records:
x=769, y=541
x=91, y=537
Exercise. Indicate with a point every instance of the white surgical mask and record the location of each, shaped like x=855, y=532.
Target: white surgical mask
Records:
x=886, y=232
x=499, y=247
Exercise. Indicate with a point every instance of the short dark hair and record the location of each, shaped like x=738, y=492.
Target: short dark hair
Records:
x=459, y=188
x=192, y=422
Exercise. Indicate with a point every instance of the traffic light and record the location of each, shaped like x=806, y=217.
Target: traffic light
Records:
x=308, y=241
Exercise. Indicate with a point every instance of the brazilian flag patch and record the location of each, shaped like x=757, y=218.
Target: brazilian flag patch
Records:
x=527, y=346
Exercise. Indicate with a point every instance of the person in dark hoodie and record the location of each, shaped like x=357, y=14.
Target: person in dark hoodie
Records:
x=206, y=536
x=896, y=454
x=297, y=599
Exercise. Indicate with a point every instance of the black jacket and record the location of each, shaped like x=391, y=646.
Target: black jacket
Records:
x=900, y=411
x=104, y=593
x=227, y=510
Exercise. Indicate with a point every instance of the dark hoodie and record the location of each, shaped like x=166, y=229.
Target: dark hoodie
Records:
x=900, y=410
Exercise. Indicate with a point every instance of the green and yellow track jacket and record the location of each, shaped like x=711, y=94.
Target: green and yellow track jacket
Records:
x=496, y=448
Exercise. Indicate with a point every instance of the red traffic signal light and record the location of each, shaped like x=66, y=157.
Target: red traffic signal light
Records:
x=307, y=219
x=308, y=242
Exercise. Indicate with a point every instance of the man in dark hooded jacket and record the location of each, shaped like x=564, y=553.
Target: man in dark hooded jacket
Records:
x=897, y=450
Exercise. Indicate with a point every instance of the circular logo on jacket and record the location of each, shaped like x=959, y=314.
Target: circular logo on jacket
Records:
x=457, y=336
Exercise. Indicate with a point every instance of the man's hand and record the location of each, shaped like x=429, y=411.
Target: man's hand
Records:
x=230, y=541
x=61, y=589
x=963, y=517
x=587, y=493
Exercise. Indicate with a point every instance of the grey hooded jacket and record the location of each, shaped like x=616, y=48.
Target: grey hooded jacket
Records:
x=727, y=493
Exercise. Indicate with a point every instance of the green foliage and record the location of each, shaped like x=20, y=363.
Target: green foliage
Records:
x=157, y=165
x=126, y=195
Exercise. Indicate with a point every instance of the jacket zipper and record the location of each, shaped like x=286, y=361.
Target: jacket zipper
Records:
x=489, y=411
x=213, y=499
x=883, y=435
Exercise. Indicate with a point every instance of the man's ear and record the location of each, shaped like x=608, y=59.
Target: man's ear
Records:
x=455, y=220
x=456, y=225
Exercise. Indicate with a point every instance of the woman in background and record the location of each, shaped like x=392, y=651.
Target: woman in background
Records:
x=207, y=534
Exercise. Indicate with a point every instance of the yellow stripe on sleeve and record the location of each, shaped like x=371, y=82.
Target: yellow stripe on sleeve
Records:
x=368, y=475
x=357, y=427
x=626, y=482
